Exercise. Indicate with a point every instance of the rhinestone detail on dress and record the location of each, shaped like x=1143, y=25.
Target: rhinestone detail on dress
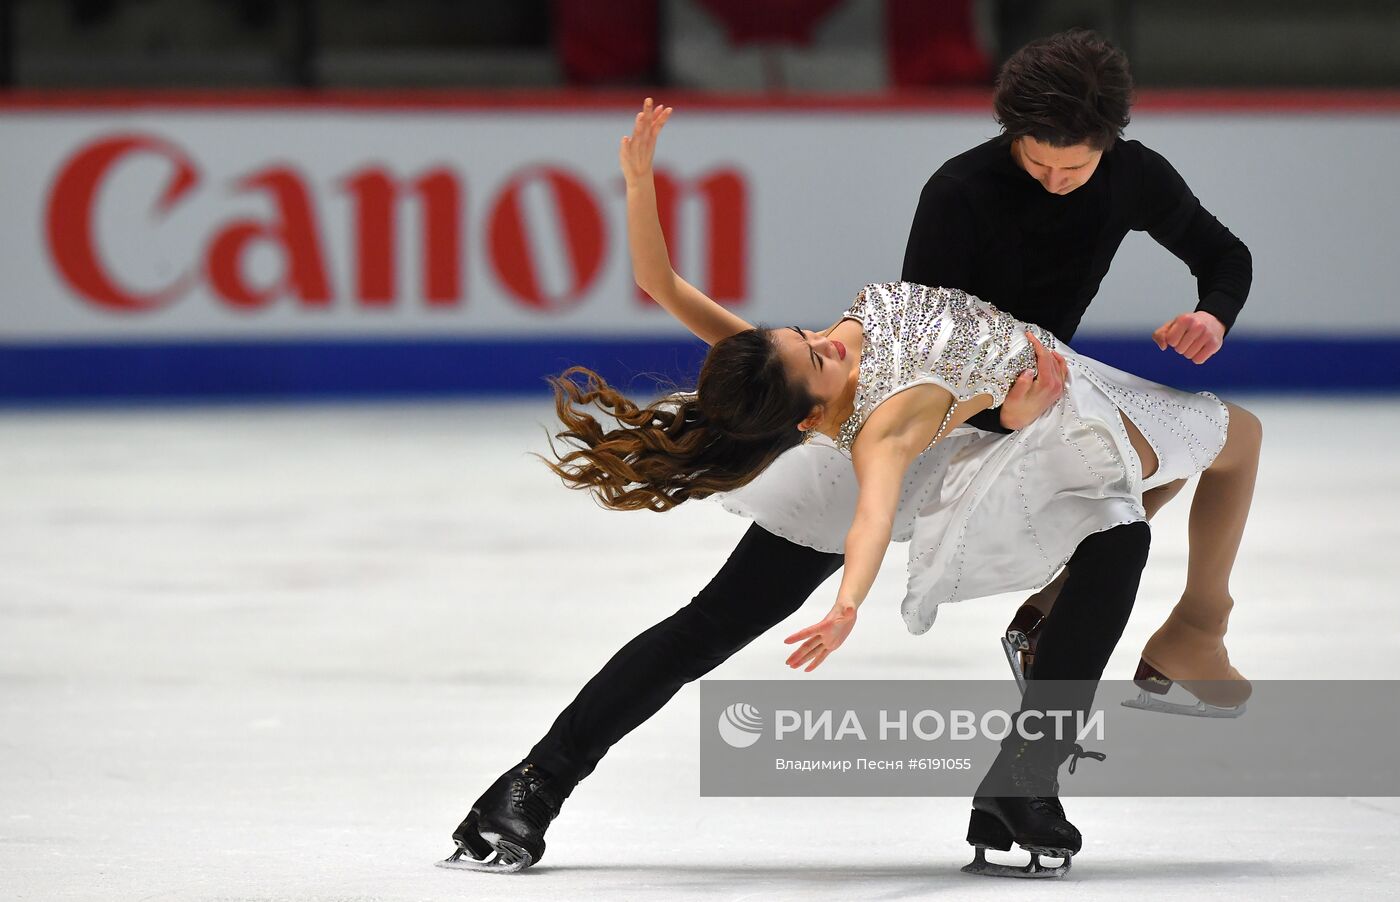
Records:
x=916, y=335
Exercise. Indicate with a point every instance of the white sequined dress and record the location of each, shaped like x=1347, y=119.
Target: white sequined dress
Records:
x=985, y=513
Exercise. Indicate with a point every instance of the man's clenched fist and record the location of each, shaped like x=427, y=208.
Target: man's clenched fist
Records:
x=1195, y=336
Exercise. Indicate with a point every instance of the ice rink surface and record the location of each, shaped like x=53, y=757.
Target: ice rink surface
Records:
x=275, y=653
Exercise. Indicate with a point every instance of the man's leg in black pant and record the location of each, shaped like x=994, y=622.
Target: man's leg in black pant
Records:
x=1079, y=635
x=765, y=579
x=1084, y=626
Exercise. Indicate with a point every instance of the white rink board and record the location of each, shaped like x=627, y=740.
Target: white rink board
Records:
x=827, y=201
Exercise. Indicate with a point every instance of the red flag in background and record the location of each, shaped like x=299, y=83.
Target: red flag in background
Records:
x=934, y=42
x=770, y=21
x=615, y=42
x=814, y=45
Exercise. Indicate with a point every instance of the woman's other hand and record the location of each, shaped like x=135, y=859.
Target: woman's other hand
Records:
x=823, y=638
x=637, y=149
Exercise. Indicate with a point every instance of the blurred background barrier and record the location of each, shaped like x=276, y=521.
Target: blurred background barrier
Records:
x=230, y=198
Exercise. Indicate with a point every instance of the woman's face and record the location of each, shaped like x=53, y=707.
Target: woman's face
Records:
x=812, y=359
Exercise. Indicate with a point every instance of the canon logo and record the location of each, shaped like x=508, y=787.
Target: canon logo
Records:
x=510, y=235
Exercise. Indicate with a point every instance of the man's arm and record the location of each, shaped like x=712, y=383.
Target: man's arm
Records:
x=939, y=253
x=939, y=250
x=1221, y=262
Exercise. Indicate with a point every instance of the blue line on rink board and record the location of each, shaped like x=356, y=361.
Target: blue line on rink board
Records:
x=321, y=369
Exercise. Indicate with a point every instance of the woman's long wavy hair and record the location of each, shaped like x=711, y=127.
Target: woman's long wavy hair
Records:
x=743, y=413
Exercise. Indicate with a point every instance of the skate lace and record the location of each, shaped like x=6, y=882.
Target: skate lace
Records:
x=1078, y=752
x=528, y=797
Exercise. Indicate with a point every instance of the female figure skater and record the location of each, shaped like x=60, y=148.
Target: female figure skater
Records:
x=875, y=402
x=1031, y=221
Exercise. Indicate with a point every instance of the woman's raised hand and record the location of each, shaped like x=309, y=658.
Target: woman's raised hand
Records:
x=637, y=149
x=823, y=638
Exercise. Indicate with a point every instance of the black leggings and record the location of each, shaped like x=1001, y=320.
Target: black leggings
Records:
x=768, y=578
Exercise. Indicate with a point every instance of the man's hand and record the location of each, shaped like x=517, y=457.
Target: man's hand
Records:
x=1035, y=391
x=1195, y=336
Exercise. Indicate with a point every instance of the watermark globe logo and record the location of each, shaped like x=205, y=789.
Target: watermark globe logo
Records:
x=740, y=725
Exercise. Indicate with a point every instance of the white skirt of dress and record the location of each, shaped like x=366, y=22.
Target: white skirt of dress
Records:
x=986, y=513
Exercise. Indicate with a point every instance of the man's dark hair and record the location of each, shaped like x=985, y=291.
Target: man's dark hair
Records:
x=1070, y=88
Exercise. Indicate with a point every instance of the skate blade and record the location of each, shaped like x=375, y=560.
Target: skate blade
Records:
x=1014, y=660
x=509, y=859
x=1148, y=702
x=1032, y=870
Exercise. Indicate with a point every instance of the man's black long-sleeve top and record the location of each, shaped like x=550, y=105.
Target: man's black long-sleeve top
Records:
x=984, y=225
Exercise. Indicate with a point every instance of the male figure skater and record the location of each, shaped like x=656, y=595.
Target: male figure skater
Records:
x=1029, y=221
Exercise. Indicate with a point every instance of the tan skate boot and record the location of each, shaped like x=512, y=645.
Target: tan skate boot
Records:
x=1189, y=649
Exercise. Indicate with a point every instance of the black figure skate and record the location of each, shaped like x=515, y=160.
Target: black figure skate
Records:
x=504, y=833
x=1018, y=801
x=1020, y=640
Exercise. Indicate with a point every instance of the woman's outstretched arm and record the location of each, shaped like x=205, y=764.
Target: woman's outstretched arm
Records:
x=651, y=264
x=897, y=432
